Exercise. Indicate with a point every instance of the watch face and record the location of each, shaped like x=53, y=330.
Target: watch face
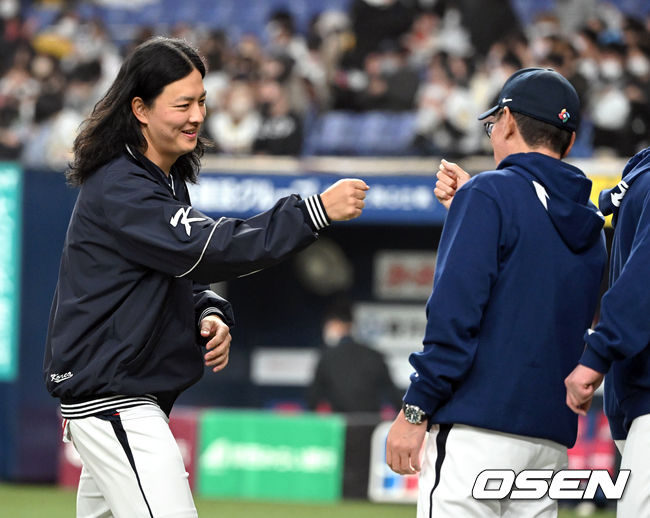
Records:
x=413, y=414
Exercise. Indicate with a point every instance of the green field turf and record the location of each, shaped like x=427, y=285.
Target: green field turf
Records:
x=23, y=501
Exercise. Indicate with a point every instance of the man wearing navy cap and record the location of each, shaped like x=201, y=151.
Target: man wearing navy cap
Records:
x=518, y=274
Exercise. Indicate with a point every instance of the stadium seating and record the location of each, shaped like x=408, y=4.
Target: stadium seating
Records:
x=342, y=133
x=244, y=16
x=237, y=16
x=373, y=133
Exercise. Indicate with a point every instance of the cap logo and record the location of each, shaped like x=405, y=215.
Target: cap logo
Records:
x=564, y=115
x=504, y=100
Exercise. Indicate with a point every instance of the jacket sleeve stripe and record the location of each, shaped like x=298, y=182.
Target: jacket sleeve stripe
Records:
x=214, y=227
x=316, y=212
x=319, y=205
x=314, y=219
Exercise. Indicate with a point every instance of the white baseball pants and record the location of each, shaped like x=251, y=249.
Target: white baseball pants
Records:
x=454, y=455
x=132, y=467
x=635, y=456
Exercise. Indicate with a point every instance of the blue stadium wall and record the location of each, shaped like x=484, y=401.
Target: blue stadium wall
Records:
x=29, y=426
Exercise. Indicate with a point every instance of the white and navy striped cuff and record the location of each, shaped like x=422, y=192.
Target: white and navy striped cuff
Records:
x=316, y=211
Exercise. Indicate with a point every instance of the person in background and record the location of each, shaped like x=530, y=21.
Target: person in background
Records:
x=234, y=128
x=37, y=151
x=10, y=143
x=281, y=129
x=350, y=376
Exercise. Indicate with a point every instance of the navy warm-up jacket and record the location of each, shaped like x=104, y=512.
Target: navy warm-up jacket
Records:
x=132, y=285
x=621, y=340
x=517, y=280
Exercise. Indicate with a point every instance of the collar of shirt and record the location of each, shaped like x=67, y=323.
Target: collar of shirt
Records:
x=152, y=168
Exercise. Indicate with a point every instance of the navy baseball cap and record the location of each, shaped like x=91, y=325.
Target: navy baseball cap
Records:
x=540, y=93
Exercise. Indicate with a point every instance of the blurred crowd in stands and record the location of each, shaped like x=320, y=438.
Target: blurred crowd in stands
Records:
x=434, y=63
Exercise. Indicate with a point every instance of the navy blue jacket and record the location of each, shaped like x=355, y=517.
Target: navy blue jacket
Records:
x=520, y=262
x=132, y=285
x=620, y=342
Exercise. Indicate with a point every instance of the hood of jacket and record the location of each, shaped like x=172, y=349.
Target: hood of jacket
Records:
x=564, y=192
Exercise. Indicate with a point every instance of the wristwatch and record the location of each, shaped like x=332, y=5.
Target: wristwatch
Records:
x=413, y=414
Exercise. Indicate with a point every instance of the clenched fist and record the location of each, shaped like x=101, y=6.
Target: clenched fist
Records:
x=580, y=387
x=344, y=200
x=450, y=178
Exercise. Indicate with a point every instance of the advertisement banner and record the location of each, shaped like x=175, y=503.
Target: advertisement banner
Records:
x=10, y=230
x=392, y=199
x=259, y=455
x=404, y=274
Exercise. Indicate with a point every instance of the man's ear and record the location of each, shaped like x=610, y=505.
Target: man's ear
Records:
x=139, y=110
x=509, y=124
x=568, y=149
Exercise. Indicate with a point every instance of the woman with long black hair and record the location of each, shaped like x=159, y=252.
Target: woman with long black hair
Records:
x=132, y=309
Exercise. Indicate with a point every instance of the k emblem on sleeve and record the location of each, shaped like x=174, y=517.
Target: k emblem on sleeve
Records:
x=181, y=217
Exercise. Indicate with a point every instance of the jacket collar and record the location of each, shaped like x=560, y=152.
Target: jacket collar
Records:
x=610, y=200
x=153, y=169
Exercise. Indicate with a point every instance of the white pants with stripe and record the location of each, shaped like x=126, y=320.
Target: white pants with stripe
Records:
x=635, y=456
x=454, y=455
x=132, y=467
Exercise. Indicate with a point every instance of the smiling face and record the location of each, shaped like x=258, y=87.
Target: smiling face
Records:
x=172, y=122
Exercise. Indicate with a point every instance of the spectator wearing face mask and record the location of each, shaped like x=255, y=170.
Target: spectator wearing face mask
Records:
x=638, y=92
x=610, y=108
x=445, y=108
x=281, y=129
x=350, y=376
x=391, y=82
x=235, y=127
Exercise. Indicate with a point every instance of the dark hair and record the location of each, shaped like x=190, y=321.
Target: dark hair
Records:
x=340, y=309
x=537, y=133
x=88, y=72
x=47, y=104
x=144, y=73
x=284, y=19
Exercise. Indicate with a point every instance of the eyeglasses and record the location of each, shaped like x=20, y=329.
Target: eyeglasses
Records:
x=489, y=126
